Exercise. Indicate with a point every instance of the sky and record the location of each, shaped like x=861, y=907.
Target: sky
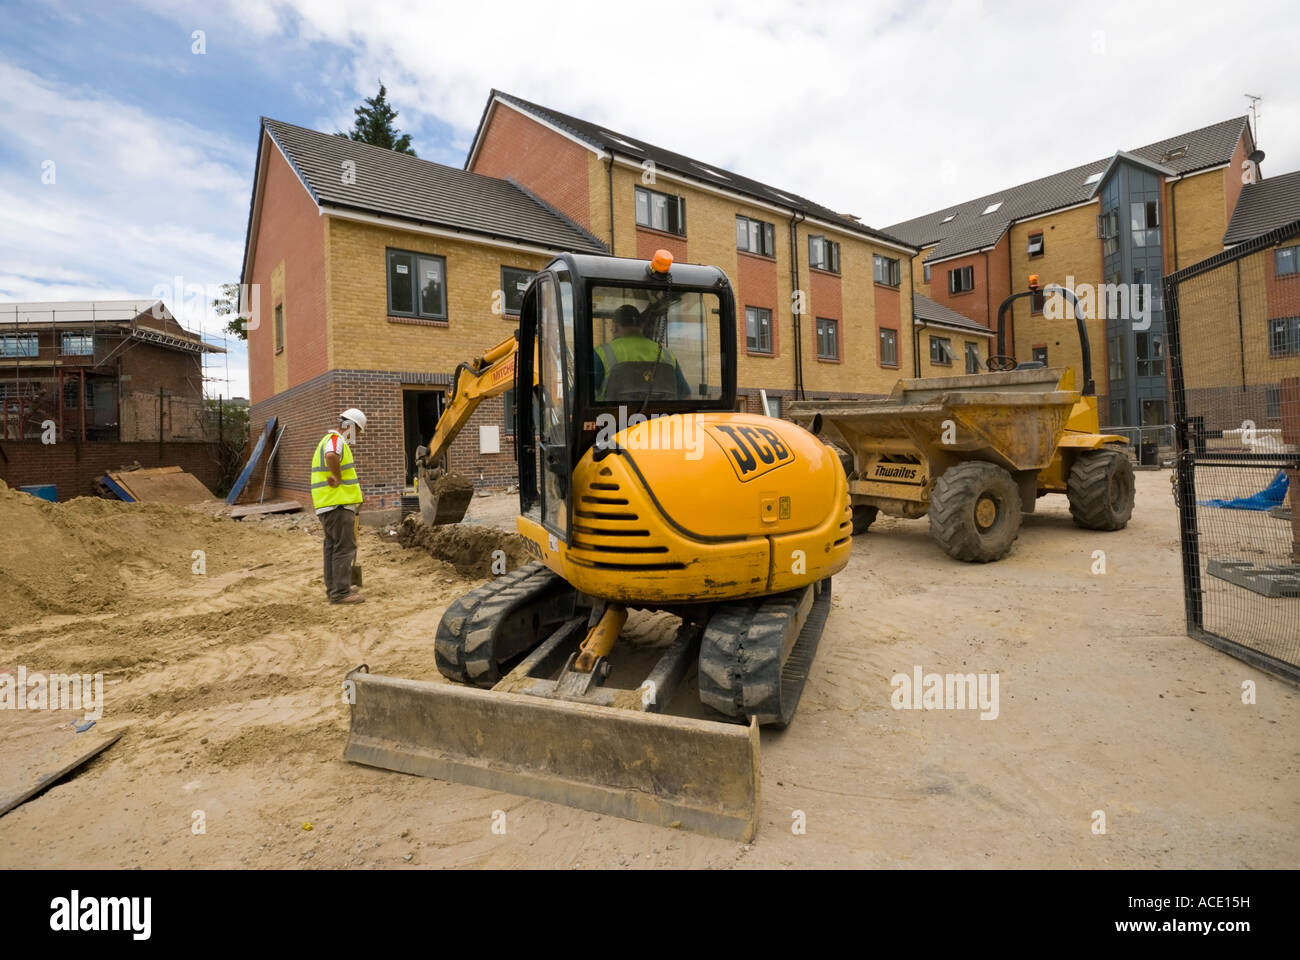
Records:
x=128, y=130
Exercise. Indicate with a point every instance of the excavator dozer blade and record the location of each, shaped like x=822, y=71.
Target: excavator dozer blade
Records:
x=699, y=775
x=445, y=500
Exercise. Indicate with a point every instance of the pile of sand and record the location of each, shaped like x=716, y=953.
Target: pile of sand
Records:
x=89, y=555
x=467, y=547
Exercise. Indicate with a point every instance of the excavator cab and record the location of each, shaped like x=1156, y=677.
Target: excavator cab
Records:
x=609, y=343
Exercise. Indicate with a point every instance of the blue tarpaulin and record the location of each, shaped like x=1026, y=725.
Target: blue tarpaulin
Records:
x=1274, y=495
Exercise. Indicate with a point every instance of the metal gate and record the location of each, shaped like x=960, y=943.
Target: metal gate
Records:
x=1233, y=323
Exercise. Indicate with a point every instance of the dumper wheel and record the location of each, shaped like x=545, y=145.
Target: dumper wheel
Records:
x=975, y=512
x=863, y=517
x=1101, y=490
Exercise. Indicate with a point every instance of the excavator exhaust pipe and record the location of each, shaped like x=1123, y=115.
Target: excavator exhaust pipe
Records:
x=697, y=775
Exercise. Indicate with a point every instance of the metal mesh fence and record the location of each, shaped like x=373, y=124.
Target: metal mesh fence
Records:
x=1234, y=331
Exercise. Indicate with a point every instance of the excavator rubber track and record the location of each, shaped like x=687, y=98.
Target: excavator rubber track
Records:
x=755, y=656
x=499, y=621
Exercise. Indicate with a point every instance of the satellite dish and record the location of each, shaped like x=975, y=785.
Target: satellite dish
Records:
x=1256, y=156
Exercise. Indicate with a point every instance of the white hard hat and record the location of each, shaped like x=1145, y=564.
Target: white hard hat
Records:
x=356, y=416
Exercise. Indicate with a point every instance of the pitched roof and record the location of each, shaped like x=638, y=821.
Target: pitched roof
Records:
x=928, y=311
x=601, y=138
x=399, y=185
x=965, y=227
x=1264, y=206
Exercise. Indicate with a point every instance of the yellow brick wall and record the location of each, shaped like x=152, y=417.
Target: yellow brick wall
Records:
x=1070, y=249
x=958, y=343
x=362, y=336
x=1198, y=208
x=919, y=283
x=711, y=239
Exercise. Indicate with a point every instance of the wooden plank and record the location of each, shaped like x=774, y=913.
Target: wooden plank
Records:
x=255, y=456
x=272, y=506
x=178, y=488
x=118, y=490
x=41, y=758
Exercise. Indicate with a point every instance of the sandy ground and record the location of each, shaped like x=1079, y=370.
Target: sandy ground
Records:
x=229, y=684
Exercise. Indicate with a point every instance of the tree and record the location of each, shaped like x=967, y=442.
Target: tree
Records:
x=374, y=125
x=227, y=305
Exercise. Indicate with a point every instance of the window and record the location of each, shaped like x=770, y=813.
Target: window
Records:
x=828, y=339
x=824, y=254
x=758, y=330
x=70, y=390
x=1036, y=244
x=660, y=211
x=514, y=281
x=1039, y=355
x=755, y=236
x=961, y=280
x=888, y=348
x=77, y=344
x=279, y=327
x=1144, y=220
x=1093, y=177
x=90, y=394
x=886, y=270
x=508, y=413
x=1153, y=413
x=773, y=406
x=973, y=362
x=1286, y=261
x=1117, y=363
x=1273, y=398
x=949, y=218
x=925, y=272
x=1108, y=231
x=1284, y=336
x=941, y=351
x=1036, y=301
x=417, y=285
x=991, y=208
x=1119, y=412
x=19, y=345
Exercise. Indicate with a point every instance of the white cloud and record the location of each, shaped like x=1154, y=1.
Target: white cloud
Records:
x=860, y=106
x=136, y=200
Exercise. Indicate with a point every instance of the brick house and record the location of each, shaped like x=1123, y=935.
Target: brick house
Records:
x=1126, y=219
x=106, y=370
x=847, y=335
x=377, y=273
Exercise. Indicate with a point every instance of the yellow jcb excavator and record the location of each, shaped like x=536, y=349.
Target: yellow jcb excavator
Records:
x=640, y=487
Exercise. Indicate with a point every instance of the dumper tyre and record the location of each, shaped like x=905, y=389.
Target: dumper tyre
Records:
x=975, y=512
x=1101, y=490
x=864, y=515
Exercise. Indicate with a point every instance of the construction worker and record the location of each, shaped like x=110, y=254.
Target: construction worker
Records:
x=631, y=345
x=336, y=495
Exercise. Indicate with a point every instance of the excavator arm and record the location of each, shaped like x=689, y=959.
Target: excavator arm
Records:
x=444, y=497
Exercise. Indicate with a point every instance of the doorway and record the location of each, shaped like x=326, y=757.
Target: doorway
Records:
x=420, y=412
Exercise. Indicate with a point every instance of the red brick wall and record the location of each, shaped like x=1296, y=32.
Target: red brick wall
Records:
x=973, y=304
x=550, y=165
x=1232, y=177
x=756, y=287
x=289, y=229
x=73, y=467
x=650, y=241
x=826, y=292
x=887, y=306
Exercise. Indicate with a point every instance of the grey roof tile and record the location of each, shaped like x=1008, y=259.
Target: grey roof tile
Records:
x=970, y=229
x=406, y=187
x=1264, y=206
x=927, y=310
x=626, y=145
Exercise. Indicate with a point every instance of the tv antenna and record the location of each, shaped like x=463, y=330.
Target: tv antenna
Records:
x=1254, y=112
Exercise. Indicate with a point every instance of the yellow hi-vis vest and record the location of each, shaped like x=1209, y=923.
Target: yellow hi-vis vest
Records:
x=348, y=490
x=630, y=350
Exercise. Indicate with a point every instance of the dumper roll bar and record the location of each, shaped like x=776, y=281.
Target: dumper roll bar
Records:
x=1000, y=361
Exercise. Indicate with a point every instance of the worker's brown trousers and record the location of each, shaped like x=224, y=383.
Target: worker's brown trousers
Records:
x=340, y=551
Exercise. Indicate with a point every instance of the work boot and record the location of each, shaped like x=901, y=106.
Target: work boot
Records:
x=351, y=598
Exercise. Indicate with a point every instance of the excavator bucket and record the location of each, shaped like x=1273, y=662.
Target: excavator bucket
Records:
x=444, y=497
x=695, y=774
